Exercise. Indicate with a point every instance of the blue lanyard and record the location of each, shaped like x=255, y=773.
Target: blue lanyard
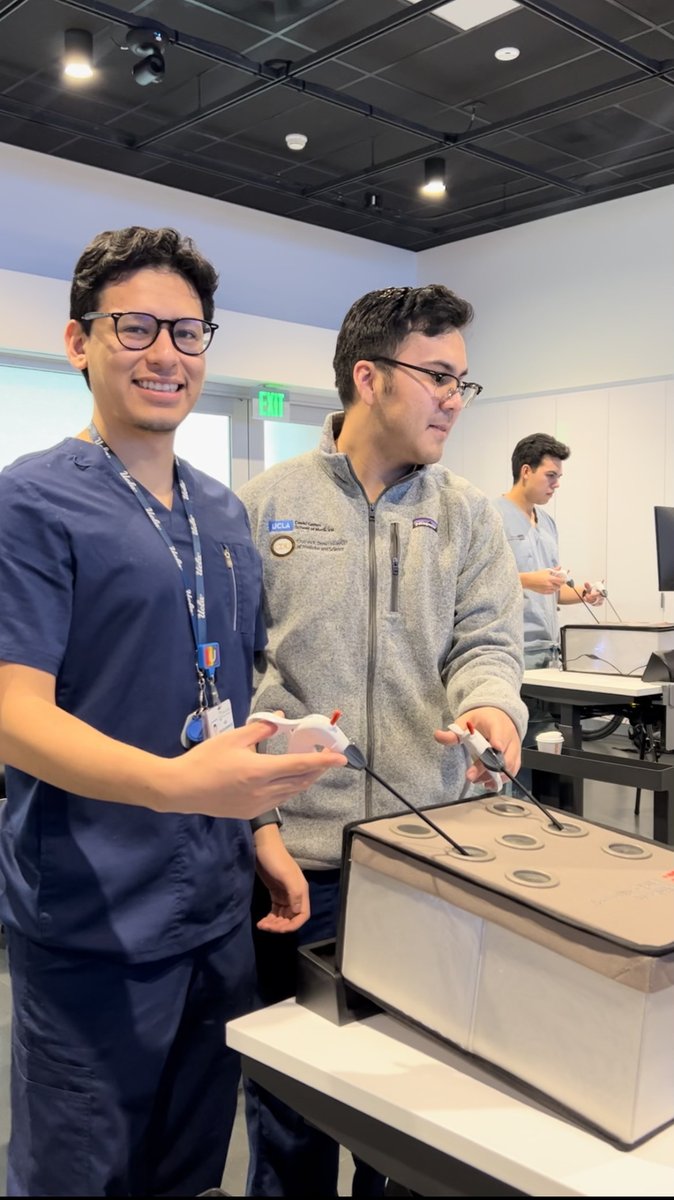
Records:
x=207, y=653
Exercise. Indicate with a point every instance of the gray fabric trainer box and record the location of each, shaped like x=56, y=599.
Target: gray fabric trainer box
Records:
x=547, y=952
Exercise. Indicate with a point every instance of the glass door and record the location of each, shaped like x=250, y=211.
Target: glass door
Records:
x=43, y=401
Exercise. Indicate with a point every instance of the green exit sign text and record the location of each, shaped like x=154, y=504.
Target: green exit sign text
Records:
x=271, y=404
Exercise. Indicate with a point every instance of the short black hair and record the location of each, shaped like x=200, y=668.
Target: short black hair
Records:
x=116, y=253
x=379, y=322
x=530, y=451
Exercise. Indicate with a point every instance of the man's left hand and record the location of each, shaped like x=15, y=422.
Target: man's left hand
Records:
x=591, y=595
x=288, y=888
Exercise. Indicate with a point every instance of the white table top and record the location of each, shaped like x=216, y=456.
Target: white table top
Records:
x=592, y=682
x=411, y=1083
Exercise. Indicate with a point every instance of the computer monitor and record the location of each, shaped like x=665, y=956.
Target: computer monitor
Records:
x=664, y=544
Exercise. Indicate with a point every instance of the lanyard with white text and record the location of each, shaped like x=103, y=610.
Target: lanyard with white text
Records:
x=207, y=653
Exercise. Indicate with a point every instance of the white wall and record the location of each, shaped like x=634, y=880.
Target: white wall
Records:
x=621, y=465
x=573, y=332
x=269, y=266
x=574, y=336
x=246, y=349
x=578, y=299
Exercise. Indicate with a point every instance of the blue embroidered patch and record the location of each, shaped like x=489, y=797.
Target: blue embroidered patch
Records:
x=280, y=526
x=427, y=521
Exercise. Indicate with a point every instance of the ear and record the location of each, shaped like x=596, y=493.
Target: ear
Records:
x=76, y=342
x=364, y=374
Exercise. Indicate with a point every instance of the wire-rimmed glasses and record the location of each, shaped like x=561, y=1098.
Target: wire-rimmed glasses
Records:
x=445, y=385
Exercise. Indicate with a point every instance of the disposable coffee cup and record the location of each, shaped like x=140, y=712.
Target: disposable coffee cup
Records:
x=551, y=741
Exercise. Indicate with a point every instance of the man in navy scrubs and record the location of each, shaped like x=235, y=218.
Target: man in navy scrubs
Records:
x=129, y=617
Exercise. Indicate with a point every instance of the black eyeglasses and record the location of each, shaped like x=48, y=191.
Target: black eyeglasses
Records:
x=137, y=331
x=445, y=385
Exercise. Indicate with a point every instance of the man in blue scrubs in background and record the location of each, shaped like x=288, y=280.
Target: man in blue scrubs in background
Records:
x=532, y=537
x=129, y=616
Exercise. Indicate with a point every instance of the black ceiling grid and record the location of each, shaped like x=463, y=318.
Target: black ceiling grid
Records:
x=584, y=114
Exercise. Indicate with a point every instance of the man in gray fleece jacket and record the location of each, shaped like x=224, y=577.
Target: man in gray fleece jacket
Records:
x=392, y=595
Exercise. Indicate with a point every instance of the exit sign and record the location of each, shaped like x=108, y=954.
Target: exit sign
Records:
x=271, y=404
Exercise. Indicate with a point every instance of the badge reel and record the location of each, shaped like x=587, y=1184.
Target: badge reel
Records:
x=205, y=721
x=193, y=730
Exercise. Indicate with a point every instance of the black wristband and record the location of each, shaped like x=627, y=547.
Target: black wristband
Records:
x=273, y=817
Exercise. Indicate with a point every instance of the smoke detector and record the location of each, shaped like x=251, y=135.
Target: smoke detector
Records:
x=296, y=141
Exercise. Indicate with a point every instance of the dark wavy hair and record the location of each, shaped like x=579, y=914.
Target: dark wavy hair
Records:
x=119, y=252
x=380, y=321
x=530, y=452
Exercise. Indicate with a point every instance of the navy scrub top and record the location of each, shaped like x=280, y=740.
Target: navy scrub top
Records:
x=90, y=593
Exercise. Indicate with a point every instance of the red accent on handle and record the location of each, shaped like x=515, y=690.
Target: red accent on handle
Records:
x=470, y=727
x=335, y=717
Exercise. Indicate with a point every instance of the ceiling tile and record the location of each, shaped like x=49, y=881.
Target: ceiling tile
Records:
x=584, y=113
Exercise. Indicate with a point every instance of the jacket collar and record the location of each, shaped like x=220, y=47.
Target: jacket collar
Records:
x=339, y=465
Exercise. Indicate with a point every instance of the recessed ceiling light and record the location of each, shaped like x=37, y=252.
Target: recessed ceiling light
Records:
x=507, y=53
x=467, y=14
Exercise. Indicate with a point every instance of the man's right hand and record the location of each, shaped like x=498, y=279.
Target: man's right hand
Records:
x=221, y=777
x=547, y=581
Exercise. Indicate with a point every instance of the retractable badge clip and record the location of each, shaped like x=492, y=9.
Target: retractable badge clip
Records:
x=208, y=658
x=193, y=730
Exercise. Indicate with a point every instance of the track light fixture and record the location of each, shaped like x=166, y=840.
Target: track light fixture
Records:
x=78, y=54
x=373, y=201
x=435, y=183
x=148, y=43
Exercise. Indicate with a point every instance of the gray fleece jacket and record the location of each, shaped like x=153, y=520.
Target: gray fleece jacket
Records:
x=402, y=614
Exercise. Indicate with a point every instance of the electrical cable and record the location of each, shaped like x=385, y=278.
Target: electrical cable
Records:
x=598, y=658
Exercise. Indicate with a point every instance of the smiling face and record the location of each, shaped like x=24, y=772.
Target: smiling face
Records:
x=139, y=391
x=413, y=423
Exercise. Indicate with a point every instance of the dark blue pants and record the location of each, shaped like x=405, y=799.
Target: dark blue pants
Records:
x=289, y=1157
x=122, y=1084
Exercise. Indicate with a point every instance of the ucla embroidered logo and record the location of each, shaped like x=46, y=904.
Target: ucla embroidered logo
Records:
x=280, y=526
x=425, y=522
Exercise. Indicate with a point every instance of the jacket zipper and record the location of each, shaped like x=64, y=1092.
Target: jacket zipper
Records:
x=395, y=565
x=371, y=651
x=230, y=564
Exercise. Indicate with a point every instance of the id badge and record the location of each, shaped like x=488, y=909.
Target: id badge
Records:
x=218, y=719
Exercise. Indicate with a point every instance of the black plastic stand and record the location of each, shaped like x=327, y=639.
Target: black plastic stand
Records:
x=321, y=988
